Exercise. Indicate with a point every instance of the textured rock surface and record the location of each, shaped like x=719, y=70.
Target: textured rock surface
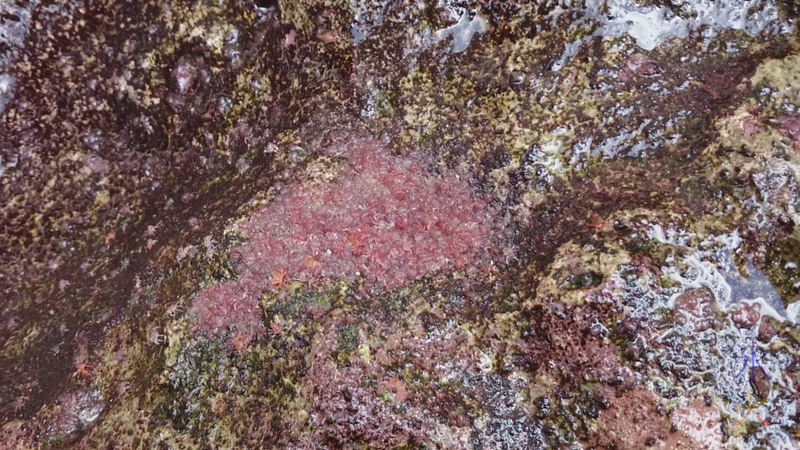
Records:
x=382, y=218
x=327, y=224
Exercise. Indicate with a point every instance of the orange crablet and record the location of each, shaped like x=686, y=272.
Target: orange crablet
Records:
x=279, y=278
x=239, y=342
x=311, y=264
x=83, y=369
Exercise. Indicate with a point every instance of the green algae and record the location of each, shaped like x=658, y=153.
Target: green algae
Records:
x=781, y=74
x=346, y=343
x=780, y=266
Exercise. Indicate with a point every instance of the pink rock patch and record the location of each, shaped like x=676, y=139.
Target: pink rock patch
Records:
x=229, y=307
x=384, y=217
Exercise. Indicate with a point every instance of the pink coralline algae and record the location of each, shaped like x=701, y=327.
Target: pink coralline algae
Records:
x=384, y=218
x=229, y=307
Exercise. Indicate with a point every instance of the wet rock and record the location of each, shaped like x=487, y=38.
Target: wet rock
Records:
x=696, y=308
x=460, y=225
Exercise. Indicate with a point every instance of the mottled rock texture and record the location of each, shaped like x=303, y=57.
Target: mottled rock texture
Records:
x=382, y=218
x=328, y=224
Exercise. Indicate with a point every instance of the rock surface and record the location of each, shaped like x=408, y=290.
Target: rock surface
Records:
x=327, y=224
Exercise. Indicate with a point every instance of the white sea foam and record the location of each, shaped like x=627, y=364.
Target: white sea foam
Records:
x=14, y=23
x=710, y=265
x=650, y=26
x=462, y=32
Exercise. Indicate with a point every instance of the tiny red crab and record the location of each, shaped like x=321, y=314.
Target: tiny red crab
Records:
x=83, y=369
x=279, y=278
